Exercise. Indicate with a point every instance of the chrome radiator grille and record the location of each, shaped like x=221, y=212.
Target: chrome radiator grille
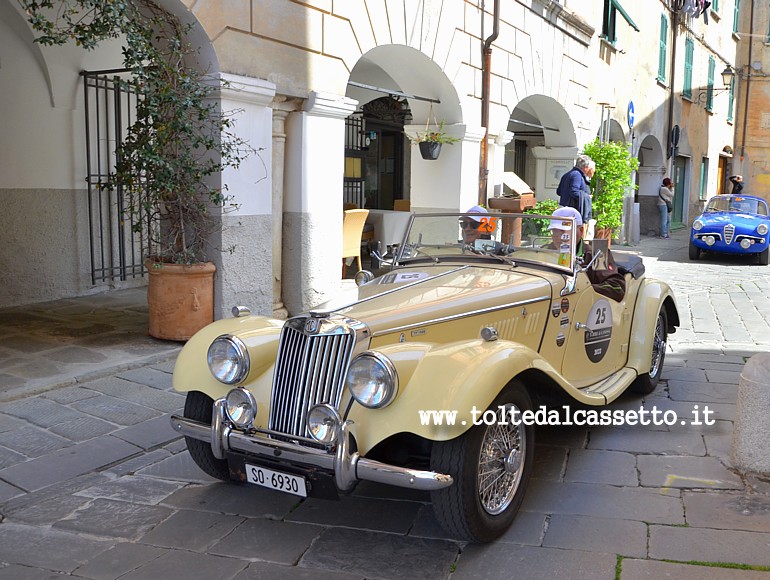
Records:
x=729, y=233
x=313, y=359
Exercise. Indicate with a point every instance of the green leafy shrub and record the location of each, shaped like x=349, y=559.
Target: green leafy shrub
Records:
x=542, y=207
x=614, y=166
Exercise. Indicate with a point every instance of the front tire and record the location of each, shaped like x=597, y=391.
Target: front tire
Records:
x=646, y=383
x=694, y=251
x=764, y=257
x=200, y=407
x=491, y=466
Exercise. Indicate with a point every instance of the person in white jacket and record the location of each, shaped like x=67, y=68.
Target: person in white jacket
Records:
x=665, y=201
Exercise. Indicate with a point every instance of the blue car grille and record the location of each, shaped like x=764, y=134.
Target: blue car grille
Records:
x=729, y=233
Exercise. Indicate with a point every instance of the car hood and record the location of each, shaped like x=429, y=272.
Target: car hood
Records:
x=416, y=294
x=720, y=218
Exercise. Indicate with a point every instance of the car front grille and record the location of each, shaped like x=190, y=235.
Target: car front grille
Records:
x=313, y=359
x=729, y=233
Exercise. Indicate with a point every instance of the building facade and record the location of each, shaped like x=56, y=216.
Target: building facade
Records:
x=329, y=92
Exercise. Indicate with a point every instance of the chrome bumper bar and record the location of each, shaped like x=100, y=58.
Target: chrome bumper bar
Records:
x=348, y=468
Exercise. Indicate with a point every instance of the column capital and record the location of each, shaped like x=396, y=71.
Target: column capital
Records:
x=329, y=105
x=246, y=89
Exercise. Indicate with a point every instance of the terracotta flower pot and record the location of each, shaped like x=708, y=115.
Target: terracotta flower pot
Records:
x=604, y=234
x=430, y=149
x=180, y=298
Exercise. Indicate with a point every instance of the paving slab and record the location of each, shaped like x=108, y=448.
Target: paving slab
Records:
x=133, y=466
x=550, y=462
x=180, y=467
x=265, y=571
x=642, y=441
x=267, y=540
x=122, y=559
x=17, y=572
x=134, y=489
x=702, y=392
x=40, y=411
x=356, y=512
x=116, y=410
x=67, y=463
x=55, y=550
x=707, y=545
x=82, y=428
x=602, y=535
x=33, y=441
x=380, y=556
x=728, y=511
x=654, y=570
x=188, y=565
x=628, y=503
x=598, y=466
x=50, y=510
x=149, y=434
x=235, y=499
x=8, y=457
x=115, y=519
x=493, y=561
x=139, y=393
x=192, y=530
x=157, y=376
x=8, y=491
x=686, y=472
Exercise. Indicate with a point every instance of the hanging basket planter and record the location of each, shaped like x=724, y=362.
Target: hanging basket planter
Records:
x=430, y=149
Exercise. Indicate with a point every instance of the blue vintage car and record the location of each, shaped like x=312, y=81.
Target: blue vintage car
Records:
x=732, y=224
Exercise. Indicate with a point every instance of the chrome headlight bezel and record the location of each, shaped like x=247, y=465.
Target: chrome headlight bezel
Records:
x=762, y=229
x=241, y=407
x=230, y=366
x=372, y=380
x=697, y=225
x=323, y=423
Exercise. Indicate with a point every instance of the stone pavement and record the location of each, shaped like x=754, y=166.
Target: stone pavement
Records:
x=94, y=484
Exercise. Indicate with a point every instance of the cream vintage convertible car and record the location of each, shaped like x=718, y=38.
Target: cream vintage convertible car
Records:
x=422, y=377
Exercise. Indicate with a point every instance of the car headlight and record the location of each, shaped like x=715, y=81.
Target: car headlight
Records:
x=323, y=422
x=762, y=229
x=697, y=225
x=241, y=407
x=228, y=359
x=372, y=380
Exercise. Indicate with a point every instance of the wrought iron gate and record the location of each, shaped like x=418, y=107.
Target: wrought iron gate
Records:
x=117, y=250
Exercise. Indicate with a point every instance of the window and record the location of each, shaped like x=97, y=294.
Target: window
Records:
x=736, y=11
x=731, y=96
x=611, y=10
x=715, y=5
x=704, y=177
x=663, y=48
x=710, y=86
x=689, y=50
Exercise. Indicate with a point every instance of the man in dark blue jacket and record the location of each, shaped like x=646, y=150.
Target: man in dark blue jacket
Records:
x=573, y=190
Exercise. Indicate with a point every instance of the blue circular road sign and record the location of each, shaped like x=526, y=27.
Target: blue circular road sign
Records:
x=630, y=114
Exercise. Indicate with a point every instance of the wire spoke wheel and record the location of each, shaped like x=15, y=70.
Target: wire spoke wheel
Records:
x=501, y=464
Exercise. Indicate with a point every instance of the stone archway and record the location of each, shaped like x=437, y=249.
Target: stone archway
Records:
x=652, y=169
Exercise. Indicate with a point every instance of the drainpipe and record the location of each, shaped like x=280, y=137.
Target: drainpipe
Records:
x=748, y=86
x=486, y=74
x=676, y=6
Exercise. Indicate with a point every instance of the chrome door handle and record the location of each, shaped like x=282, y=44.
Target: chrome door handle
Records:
x=581, y=326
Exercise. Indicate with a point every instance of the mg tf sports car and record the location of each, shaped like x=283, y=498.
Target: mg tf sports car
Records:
x=732, y=224
x=424, y=377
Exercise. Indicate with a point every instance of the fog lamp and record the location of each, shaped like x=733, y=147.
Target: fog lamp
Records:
x=745, y=244
x=323, y=422
x=241, y=407
x=709, y=240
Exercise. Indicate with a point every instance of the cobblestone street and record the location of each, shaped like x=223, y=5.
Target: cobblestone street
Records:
x=95, y=484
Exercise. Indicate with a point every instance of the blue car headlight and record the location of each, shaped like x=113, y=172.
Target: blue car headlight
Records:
x=762, y=229
x=697, y=225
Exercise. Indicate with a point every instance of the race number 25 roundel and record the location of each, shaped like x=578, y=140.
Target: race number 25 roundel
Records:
x=599, y=331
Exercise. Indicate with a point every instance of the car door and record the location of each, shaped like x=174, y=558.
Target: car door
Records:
x=597, y=342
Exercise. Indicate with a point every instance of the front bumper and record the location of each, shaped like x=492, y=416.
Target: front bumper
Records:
x=346, y=467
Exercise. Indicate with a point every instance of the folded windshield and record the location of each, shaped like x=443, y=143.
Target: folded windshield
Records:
x=508, y=238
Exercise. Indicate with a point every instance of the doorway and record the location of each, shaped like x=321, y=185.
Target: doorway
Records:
x=680, y=191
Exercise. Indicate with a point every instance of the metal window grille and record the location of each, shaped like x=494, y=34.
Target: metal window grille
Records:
x=116, y=238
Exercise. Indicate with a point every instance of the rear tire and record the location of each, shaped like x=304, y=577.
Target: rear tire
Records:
x=764, y=257
x=694, y=251
x=200, y=407
x=646, y=383
x=491, y=466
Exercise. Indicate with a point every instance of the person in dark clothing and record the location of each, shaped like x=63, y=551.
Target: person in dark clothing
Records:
x=737, y=181
x=573, y=190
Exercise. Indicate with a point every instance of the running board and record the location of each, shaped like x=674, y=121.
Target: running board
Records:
x=610, y=388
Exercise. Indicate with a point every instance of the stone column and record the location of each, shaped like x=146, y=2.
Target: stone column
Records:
x=312, y=219
x=243, y=265
x=282, y=106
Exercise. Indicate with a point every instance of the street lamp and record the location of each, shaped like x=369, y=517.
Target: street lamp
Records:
x=727, y=79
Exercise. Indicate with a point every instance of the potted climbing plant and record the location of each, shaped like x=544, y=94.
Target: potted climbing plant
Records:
x=169, y=162
x=614, y=167
x=431, y=140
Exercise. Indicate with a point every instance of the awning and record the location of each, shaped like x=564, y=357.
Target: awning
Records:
x=625, y=15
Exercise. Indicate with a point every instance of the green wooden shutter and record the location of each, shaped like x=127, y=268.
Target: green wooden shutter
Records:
x=663, y=48
x=731, y=96
x=710, y=87
x=715, y=5
x=689, y=50
x=736, y=11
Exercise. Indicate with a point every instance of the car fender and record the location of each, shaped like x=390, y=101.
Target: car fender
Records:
x=260, y=334
x=653, y=295
x=455, y=377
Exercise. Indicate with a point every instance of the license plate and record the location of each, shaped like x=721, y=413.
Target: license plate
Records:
x=284, y=482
